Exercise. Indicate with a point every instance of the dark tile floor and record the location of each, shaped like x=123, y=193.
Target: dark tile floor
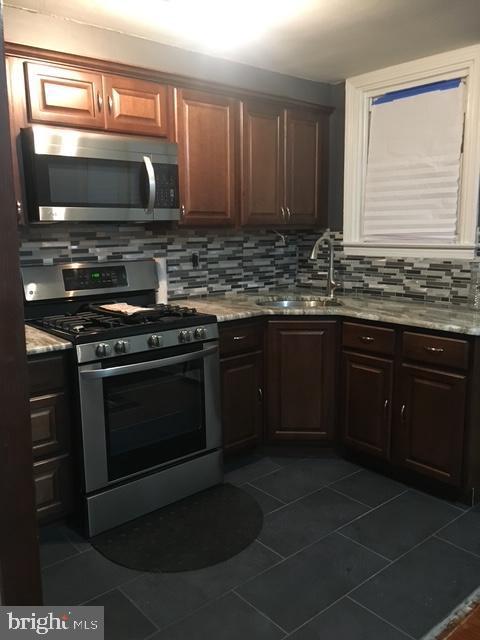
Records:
x=344, y=553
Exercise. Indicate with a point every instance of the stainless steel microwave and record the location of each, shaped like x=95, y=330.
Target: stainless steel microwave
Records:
x=77, y=176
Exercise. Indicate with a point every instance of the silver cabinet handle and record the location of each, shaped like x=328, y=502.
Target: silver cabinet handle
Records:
x=260, y=394
x=283, y=213
x=385, y=405
x=151, y=183
x=289, y=213
x=182, y=211
x=403, y=412
x=367, y=339
x=99, y=101
x=239, y=337
x=435, y=349
x=113, y=372
x=110, y=103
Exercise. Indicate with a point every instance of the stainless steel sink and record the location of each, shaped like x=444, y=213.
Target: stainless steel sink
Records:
x=299, y=303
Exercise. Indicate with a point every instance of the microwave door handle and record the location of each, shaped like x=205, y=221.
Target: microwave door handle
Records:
x=151, y=183
x=146, y=366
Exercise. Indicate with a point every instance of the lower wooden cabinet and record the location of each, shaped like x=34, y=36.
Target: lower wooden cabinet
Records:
x=53, y=487
x=242, y=400
x=430, y=422
x=301, y=374
x=367, y=403
x=50, y=415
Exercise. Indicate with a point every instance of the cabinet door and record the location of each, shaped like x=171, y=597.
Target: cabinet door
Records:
x=306, y=167
x=136, y=106
x=207, y=157
x=58, y=95
x=367, y=401
x=53, y=488
x=301, y=380
x=431, y=422
x=242, y=395
x=262, y=164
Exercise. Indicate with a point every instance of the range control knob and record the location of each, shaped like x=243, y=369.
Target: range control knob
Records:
x=103, y=349
x=122, y=346
x=200, y=333
x=185, y=336
x=155, y=341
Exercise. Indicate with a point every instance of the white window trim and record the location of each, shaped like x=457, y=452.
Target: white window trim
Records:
x=360, y=90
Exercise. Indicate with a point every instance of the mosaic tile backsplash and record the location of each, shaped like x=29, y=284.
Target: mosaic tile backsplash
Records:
x=218, y=261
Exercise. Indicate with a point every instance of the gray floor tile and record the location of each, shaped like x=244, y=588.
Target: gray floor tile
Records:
x=419, y=590
x=400, y=524
x=370, y=488
x=266, y=502
x=54, y=545
x=298, y=524
x=347, y=620
x=123, y=621
x=82, y=577
x=306, y=476
x=251, y=471
x=167, y=597
x=229, y=618
x=464, y=532
x=303, y=585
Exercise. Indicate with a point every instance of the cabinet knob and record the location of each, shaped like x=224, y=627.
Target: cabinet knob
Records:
x=110, y=103
x=99, y=101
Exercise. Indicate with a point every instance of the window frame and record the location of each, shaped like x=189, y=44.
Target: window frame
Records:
x=359, y=91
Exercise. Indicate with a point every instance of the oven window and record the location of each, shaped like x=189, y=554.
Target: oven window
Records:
x=153, y=417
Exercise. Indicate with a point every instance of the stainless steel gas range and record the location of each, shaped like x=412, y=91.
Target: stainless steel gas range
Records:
x=147, y=385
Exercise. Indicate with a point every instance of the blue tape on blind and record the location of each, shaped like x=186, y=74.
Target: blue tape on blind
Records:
x=415, y=91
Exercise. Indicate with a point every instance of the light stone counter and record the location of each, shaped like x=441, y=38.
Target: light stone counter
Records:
x=453, y=318
x=41, y=342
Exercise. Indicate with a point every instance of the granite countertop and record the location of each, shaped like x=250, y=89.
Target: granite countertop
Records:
x=41, y=342
x=453, y=318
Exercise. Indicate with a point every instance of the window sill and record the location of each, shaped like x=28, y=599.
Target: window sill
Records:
x=441, y=252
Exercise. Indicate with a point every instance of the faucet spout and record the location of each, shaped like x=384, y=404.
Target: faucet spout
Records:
x=325, y=238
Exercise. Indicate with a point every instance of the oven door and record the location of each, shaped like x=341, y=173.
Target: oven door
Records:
x=136, y=416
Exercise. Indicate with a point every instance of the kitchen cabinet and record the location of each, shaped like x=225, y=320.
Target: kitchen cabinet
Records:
x=306, y=167
x=262, y=126
x=301, y=380
x=82, y=98
x=136, y=106
x=241, y=367
x=50, y=414
x=284, y=165
x=430, y=422
x=367, y=403
x=208, y=149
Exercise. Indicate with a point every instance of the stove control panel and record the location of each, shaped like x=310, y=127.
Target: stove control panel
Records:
x=100, y=277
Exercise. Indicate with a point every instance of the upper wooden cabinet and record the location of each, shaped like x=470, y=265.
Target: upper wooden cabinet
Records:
x=262, y=163
x=284, y=165
x=306, y=166
x=58, y=95
x=206, y=135
x=136, y=105
x=77, y=98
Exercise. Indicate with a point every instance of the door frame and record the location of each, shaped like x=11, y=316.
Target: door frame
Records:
x=20, y=577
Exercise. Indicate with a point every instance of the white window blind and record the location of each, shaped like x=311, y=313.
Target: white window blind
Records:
x=414, y=165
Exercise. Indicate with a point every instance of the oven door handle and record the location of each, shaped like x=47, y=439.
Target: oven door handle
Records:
x=151, y=183
x=146, y=366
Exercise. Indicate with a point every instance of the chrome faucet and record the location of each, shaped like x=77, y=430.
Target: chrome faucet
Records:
x=331, y=283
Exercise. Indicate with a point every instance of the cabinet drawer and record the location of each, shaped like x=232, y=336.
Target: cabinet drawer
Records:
x=50, y=426
x=47, y=373
x=53, y=487
x=364, y=337
x=435, y=350
x=241, y=338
